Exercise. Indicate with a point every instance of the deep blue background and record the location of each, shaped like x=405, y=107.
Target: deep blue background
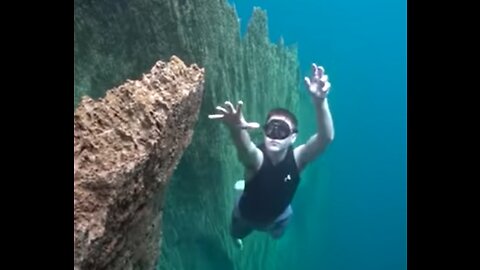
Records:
x=356, y=213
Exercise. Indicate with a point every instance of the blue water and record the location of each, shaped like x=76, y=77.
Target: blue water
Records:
x=351, y=210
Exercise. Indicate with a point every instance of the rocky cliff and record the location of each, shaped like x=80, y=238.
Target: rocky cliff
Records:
x=126, y=146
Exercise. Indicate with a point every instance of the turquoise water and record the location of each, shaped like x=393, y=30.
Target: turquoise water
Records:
x=350, y=209
x=350, y=212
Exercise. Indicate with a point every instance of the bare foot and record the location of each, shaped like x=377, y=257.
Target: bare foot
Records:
x=239, y=243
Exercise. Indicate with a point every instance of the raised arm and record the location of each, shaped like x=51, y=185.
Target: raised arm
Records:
x=248, y=153
x=319, y=86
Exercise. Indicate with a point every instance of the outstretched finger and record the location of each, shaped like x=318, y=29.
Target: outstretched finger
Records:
x=230, y=107
x=253, y=125
x=221, y=109
x=319, y=72
x=307, y=82
x=215, y=116
x=324, y=78
x=326, y=87
x=239, y=106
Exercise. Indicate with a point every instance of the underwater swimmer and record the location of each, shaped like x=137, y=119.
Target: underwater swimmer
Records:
x=272, y=168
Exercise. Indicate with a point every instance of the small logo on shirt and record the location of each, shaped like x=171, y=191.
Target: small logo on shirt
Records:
x=288, y=178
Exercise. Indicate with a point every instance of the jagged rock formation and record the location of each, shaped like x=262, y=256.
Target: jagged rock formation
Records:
x=126, y=146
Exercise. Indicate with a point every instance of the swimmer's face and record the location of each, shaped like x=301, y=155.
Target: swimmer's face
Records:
x=279, y=133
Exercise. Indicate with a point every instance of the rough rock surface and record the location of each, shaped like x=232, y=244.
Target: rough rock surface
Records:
x=126, y=146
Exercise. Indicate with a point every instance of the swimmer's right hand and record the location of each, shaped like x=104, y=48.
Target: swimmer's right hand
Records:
x=232, y=117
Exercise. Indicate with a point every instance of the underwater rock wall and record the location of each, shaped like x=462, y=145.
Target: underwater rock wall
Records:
x=126, y=146
x=115, y=40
